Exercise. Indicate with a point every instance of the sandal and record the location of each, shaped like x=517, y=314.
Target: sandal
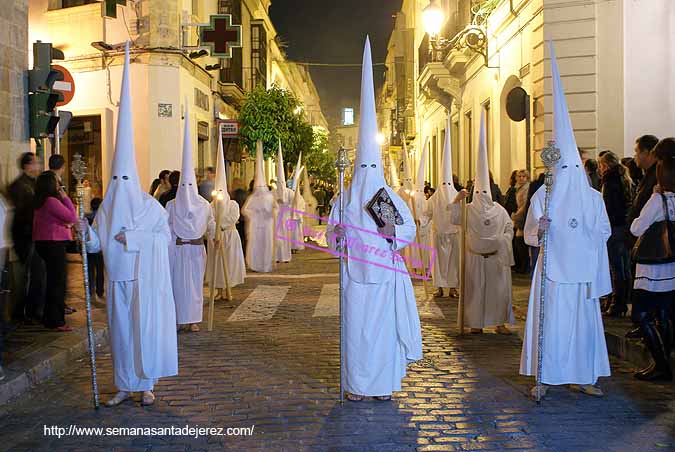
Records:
x=63, y=329
x=383, y=398
x=354, y=397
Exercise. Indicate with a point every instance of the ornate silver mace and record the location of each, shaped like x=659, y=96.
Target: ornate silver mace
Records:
x=550, y=155
x=342, y=163
x=79, y=170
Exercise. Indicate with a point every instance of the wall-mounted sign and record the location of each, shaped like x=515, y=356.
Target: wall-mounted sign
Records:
x=229, y=128
x=164, y=110
x=220, y=35
x=201, y=99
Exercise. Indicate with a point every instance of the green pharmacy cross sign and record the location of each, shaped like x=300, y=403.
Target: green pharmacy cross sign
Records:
x=220, y=36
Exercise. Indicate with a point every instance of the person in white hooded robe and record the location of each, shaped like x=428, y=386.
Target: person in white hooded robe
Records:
x=298, y=217
x=260, y=210
x=226, y=214
x=311, y=203
x=489, y=254
x=421, y=256
x=298, y=205
x=190, y=219
x=577, y=276
x=131, y=229
x=381, y=324
x=284, y=198
x=443, y=208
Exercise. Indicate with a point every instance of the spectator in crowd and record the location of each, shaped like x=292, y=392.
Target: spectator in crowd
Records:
x=655, y=283
x=160, y=185
x=207, y=186
x=520, y=251
x=320, y=195
x=455, y=182
x=634, y=172
x=646, y=161
x=616, y=193
x=534, y=186
x=510, y=203
x=5, y=244
x=96, y=269
x=57, y=165
x=54, y=216
x=30, y=294
x=174, y=179
x=591, y=166
x=239, y=195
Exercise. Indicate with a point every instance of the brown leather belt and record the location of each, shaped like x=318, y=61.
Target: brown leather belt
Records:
x=485, y=256
x=181, y=242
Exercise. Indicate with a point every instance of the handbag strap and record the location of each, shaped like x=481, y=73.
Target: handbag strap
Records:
x=669, y=226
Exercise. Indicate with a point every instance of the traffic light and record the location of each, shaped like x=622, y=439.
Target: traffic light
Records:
x=109, y=7
x=42, y=98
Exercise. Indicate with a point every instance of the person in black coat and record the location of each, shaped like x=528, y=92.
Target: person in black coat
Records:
x=616, y=192
x=31, y=294
x=239, y=195
x=646, y=161
x=174, y=180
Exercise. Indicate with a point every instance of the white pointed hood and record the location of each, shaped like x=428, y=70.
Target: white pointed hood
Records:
x=419, y=182
x=220, y=186
x=192, y=211
x=393, y=174
x=307, y=191
x=482, y=202
x=446, y=189
x=296, y=171
x=124, y=201
x=572, y=208
x=407, y=175
x=297, y=195
x=367, y=180
x=259, y=181
x=281, y=173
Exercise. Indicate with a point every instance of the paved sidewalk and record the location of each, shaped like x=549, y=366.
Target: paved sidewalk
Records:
x=276, y=370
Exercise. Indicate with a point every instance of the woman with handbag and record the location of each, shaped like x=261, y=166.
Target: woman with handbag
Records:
x=655, y=269
x=54, y=216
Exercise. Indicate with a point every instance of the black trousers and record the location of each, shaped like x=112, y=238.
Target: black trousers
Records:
x=54, y=255
x=96, y=276
x=521, y=255
x=30, y=295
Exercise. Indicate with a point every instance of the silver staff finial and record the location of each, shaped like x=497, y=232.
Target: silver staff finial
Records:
x=78, y=168
x=550, y=155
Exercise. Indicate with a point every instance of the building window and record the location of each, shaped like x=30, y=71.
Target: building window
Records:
x=347, y=116
x=258, y=55
x=231, y=68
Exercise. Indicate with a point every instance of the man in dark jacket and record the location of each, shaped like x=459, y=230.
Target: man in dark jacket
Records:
x=646, y=161
x=30, y=294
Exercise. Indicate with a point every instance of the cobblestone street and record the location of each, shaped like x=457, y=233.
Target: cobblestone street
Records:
x=272, y=362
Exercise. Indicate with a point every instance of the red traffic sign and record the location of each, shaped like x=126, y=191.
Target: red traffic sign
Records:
x=65, y=86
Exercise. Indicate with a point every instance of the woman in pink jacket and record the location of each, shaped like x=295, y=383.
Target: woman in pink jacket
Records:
x=54, y=216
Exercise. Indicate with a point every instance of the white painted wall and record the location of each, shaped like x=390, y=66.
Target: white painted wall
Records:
x=649, y=69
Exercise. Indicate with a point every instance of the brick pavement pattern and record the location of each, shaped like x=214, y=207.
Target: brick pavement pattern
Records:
x=280, y=374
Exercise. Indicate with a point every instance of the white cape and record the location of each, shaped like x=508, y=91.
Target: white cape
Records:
x=231, y=245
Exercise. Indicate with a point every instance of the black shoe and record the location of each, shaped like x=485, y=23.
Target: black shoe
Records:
x=660, y=370
x=635, y=333
x=654, y=373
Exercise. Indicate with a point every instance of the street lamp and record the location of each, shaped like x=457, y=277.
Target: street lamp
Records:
x=433, y=18
x=380, y=138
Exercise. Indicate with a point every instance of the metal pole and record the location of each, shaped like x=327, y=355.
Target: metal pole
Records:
x=342, y=163
x=57, y=135
x=550, y=156
x=462, y=269
x=79, y=170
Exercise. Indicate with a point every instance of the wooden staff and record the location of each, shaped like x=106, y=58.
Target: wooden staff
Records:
x=79, y=170
x=462, y=269
x=341, y=163
x=219, y=255
x=419, y=242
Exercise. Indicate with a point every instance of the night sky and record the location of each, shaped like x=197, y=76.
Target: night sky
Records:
x=334, y=31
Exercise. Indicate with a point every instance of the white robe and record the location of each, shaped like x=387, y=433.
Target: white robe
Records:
x=311, y=207
x=488, y=279
x=381, y=323
x=575, y=351
x=141, y=312
x=421, y=257
x=231, y=245
x=282, y=247
x=445, y=240
x=298, y=234
x=260, y=212
x=188, y=263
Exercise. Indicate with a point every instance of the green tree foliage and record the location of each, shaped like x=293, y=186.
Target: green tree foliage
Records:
x=273, y=114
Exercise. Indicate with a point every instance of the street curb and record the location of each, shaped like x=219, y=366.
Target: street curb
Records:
x=45, y=363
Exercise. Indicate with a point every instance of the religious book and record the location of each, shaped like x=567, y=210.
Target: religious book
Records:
x=382, y=209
